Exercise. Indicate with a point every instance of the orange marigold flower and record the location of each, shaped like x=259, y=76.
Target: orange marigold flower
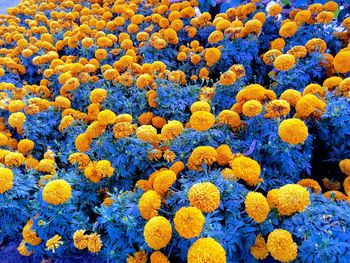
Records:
x=29, y=235
x=225, y=155
x=189, y=222
x=288, y=29
x=82, y=142
x=314, y=89
x=158, y=257
x=344, y=166
x=202, y=120
x=275, y=10
x=6, y=179
x=138, y=257
x=256, y=206
x=202, y=155
x=164, y=180
x=281, y=246
x=205, y=196
x=293, y=131
x=212, y=55
x=252, y=108
x=228, y=78
x=246, y=169
x=284, y=62
x=80, y=239
x=157, y=232
x=230, y=118
x=335, y=195
x=206, y=250
x=277, y=108
x=292, y=96
x=292, y=198
x=310, y=105
x=94, y=243
x=310, y=183
x=57, y=192
x=149, y=204
x=341, y=61
x=259, y=250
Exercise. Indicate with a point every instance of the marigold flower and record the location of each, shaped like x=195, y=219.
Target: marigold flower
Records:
x=94, y=243
x=200, y=106
x=284, y=62
x=54, y=243
x=46, y=166
x=106, y=117
x=57, y=192
x=157, y=232
x=163, y=181
x=253, y=26
x=205, y=196
x=202, y=155
x=177, y=167
x=316, y=45
x=292, y=198
x=23, y=250
x=80, y=239
x=302, y=16
x=202, y=120
x=281, y=246
x=14, y=159
x=6, y=179
x=189, y=222
x=206, y=250
x=228, y=78
x=259, y=250
x=17, y=119
x=298, y=51
x=331, y=184
x=344, y=166
x=341, y=61
x=215, y=37
x=138, y=257
x=149, y=204
x=158, y=257
x=310, y=183
x=98, y=95
x=230, y=118
x=277, y=108
x=147, y=133
x=335, y=195
x=29, y=235
x=310, y=105
x=330, y=6
x=82, y=142
x=288, y=29
x=224, y=155
x=314, y=89
x=246, y=169
x=256, y=206
x=212, y=55
x=252, y=108
x=293, y=131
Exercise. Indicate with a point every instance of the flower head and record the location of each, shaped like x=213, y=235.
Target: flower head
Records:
x=259, y=250
x=202, y=155
x=163, y=181
x=54, y=243
x=94, y=243
x=344, y=166
x=149, y=204
x=293, y=131
x=206, y=250
x=256, y=206
x=284, y=62
x=80, y=239
x=281, y=246
x=292, y=198
x=252, y=108
x=138, y=257
x=57, y=192
x=158, y=257
x=204, y=196
x=202, y=120
x=6, y=179
x=189, y=222
x=247, y=169
x=157, y=232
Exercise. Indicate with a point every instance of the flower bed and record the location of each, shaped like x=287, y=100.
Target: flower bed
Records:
x=138, y=131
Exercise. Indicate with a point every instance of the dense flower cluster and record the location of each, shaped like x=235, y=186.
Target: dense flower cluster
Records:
x=157, y=131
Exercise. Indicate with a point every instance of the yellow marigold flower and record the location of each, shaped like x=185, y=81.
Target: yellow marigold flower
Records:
x=65, y=122
x=14, y=159
x=251, y=92
x=281, y=246
x=138, y=257
x=228, y=78
x=225, y=155
x=331, y=6
x=204, y=196
x=246, y=169
x=147, y=133
x=105, y=168
x=325, y=17
x=202, y=155
x=302, y=16
x=80, y=239
x=332, y=82
x=230, y=118
x=94, y=243
x=270, y=56
x=206, y=250
x=292, y=198
x=252, y=108
x=23, y=250
x=310, y=105
x=344, y=86
x=54, y=243
x=215, y=37
x=81, y=158
x=16, y=105
x=6, y=179
x=253, y=26
x=298, y=51
x=316, y=44
x=202, y=120
x=123, y=129
x=169, y=156
x=106, y=117
x=200, y=106
x=341, y=61
x=164, y=180
x=335, y=195
x=284, y=62
x=149, y=204
x=144, y=80
x=171, y=130
x=157, y=232
x=57, y=192
x=344, y=166
x=278, y=43
x=189, y=222
x=3, y=139
x=293, y=131
x=288, y=29
x=46, y=166
x=259, y=250
x=314, y=89
x=177, y=167
x=82, y=142
x=158, y=257
x=228, y=174
x=310, y=183
x=291, y=96
x=212, y=55
x=277, y=108
x=275, y=10
x=29, y=235
x=98, y=95
x=272, y=198
x=17, y=119
x=256, y=206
